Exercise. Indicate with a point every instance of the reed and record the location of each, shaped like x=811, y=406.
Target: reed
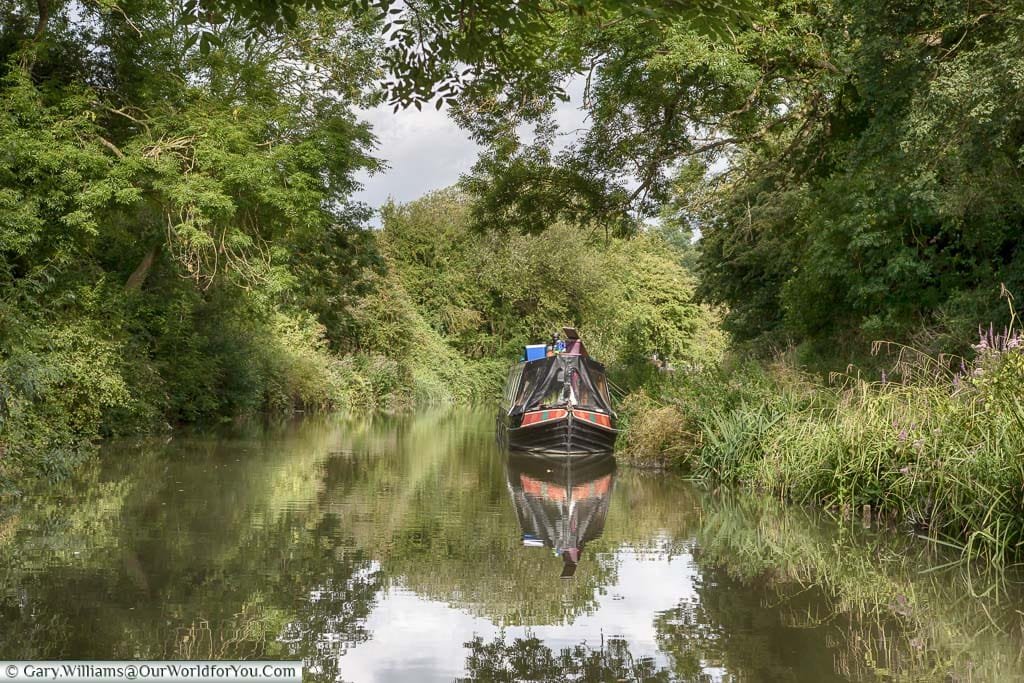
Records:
x=937, y=444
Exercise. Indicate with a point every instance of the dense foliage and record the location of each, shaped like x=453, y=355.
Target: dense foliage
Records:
x=853, y=166
x=455, y=306
x=488, y=294
x=176, y=236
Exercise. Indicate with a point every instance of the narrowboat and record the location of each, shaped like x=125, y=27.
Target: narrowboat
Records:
x=557, y=401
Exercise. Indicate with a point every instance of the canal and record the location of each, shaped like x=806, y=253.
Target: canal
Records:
x=401, y=549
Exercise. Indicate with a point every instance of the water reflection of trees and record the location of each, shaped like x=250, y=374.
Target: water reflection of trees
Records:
x=194, y=549
x=279, y=543
x=435, y=511
x=885, y=609
x=529, y=659
x=739, y=628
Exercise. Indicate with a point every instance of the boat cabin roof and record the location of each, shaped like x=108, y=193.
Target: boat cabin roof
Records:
x=541, y=383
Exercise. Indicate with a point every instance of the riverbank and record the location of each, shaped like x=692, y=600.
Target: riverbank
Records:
x=936, y=447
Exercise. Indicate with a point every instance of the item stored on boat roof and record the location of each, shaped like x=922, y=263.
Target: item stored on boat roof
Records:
x=534, y=352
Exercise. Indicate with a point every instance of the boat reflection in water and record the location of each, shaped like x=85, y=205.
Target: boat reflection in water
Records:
x=561, y=503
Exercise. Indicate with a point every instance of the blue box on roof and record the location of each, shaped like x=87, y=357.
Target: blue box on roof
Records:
x=535, y=351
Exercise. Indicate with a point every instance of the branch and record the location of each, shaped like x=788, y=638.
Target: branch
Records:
x=122, y=112
x=138, y=276
x=111, y=146
x=752, y=97
x=128, y=20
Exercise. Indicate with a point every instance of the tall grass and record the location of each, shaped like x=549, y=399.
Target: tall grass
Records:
x=941, y=449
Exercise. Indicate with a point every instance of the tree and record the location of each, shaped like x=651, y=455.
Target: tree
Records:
x=163, y=208
x=849, y=164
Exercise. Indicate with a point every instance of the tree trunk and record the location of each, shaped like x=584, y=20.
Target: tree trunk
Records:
x=138, y=276
x=44, y=19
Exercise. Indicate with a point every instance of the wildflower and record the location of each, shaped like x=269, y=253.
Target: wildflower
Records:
x=905, y=469
x=902, y=436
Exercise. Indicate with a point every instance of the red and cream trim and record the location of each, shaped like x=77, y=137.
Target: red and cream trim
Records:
x=539, y=416
x=595, y=418
x=543, y=416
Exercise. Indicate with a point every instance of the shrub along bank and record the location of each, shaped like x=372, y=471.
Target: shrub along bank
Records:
x=939, y=445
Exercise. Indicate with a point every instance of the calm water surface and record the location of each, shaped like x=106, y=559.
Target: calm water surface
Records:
x=413, y=550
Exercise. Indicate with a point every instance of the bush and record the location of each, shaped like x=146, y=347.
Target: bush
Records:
x=58, y=389
x=485, y=295
x=654, y=435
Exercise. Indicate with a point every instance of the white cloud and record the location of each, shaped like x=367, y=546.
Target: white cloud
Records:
x=426, y=151
x=414, y=638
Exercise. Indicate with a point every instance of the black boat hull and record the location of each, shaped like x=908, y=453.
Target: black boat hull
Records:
x=566, y=436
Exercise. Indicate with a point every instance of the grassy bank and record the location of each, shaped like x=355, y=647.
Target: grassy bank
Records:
x=938, y=445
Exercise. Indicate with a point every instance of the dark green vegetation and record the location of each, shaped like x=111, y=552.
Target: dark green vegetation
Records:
x=176, y=240
x=854, y=167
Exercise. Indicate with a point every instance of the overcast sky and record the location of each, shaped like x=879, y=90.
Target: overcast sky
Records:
x=426, y=151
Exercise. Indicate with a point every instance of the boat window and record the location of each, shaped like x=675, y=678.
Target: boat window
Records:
x=601, y=385
x=514, y=376
x=532, y=375
x=593, y=387
x=554, y=394
x=584, y=396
